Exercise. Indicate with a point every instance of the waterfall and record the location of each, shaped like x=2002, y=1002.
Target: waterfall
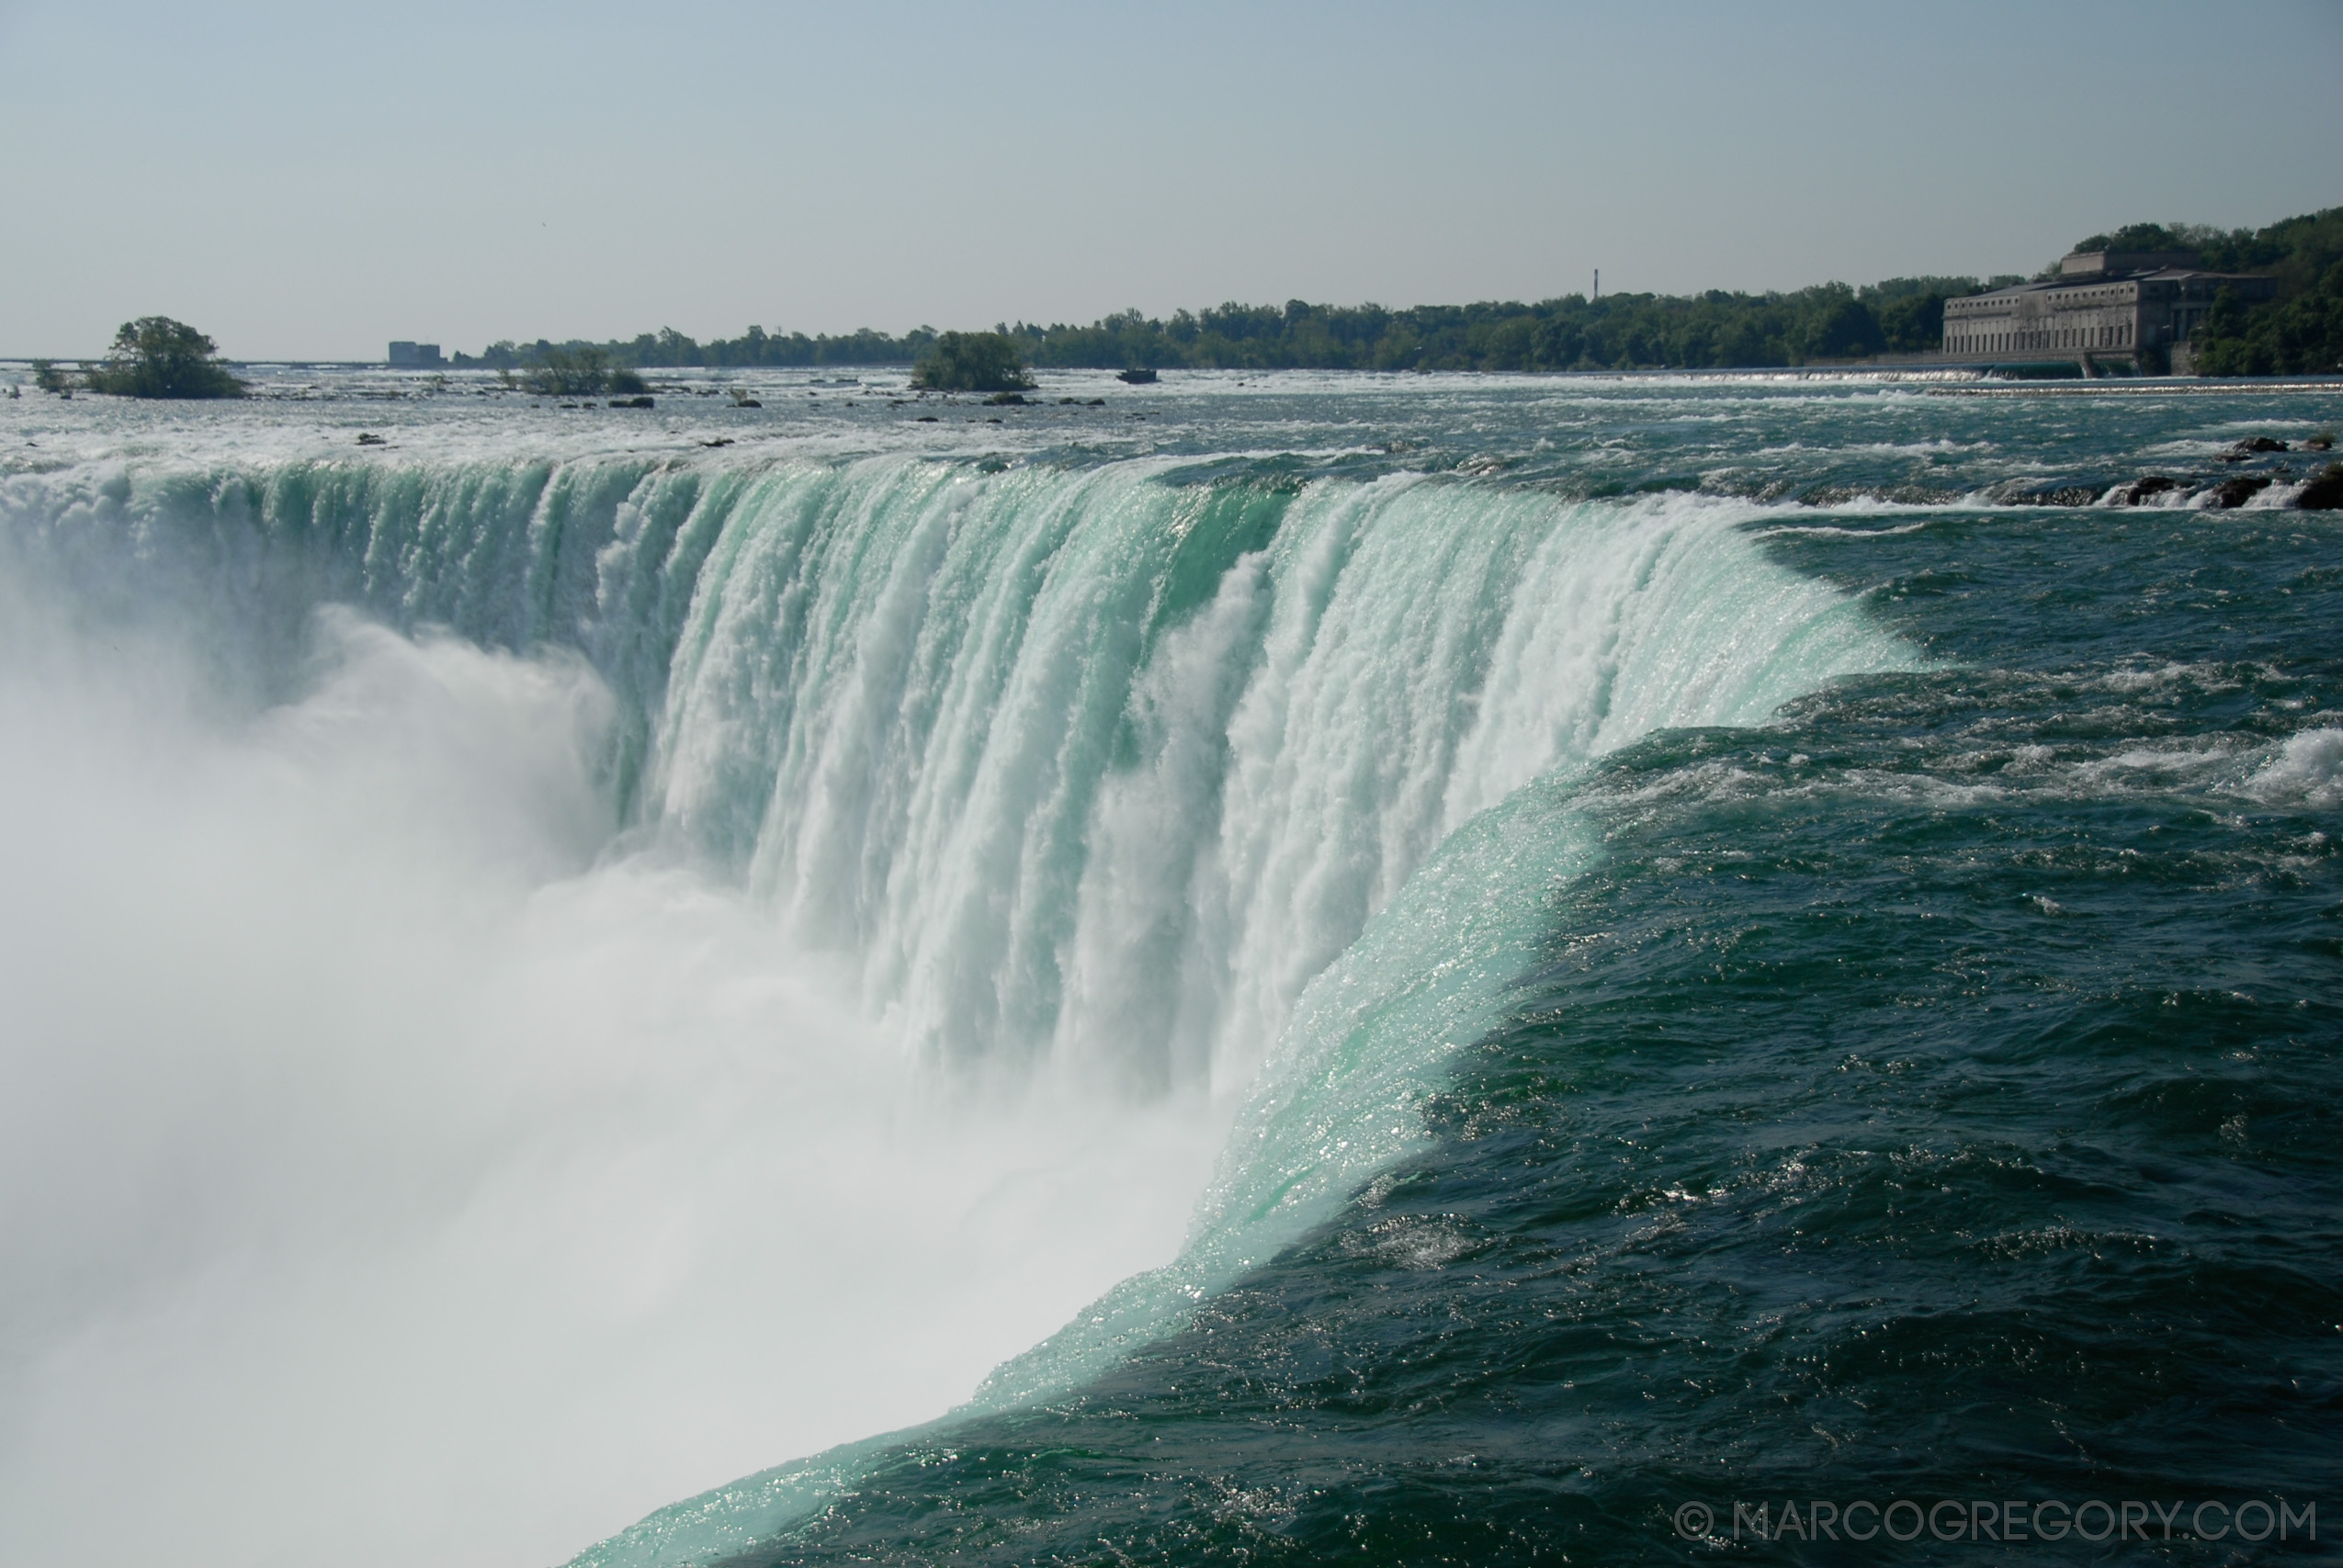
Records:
x=1163, y=785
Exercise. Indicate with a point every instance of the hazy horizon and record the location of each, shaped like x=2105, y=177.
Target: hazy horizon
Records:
x=311, y=185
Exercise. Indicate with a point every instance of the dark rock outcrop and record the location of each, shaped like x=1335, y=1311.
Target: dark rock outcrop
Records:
x=2137, y=492
x=2239, y=490
x=2325, y=492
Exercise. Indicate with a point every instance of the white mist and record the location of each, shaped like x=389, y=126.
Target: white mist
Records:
x=388, y=1180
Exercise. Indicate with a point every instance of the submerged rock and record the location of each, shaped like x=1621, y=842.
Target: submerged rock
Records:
x=1820, y=496
x=2059, y=490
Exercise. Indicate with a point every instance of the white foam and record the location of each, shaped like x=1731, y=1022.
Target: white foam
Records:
x=2307, y=771
x=412, y=1187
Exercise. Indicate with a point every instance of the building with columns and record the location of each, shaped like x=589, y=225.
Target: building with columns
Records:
x=2136, y=304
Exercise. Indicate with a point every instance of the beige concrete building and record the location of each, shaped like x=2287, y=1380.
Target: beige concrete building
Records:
x=2136, y=305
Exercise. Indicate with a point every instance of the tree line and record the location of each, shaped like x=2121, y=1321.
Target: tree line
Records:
x=2299, y=330
x=1716, y=329
x=668, y=347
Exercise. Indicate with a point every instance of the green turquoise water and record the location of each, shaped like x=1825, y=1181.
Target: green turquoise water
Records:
x=1929, y=1096
x=1753, y=962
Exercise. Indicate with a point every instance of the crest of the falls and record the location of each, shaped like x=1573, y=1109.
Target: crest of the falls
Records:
x=1097, y=766
x=1102, y=768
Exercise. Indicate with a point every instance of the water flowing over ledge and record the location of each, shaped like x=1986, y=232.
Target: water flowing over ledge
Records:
x=1249, y=789
x=1086, y=766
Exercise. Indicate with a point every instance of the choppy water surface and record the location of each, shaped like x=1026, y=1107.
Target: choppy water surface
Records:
x=1578, y=947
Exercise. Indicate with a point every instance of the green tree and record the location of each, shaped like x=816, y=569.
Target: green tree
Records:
x=2299, y=330
x=973, y=362
x=578, y=372
x=155, y=357
x=1842, y=329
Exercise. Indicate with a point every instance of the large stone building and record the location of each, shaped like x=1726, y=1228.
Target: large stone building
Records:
x=2136, y=305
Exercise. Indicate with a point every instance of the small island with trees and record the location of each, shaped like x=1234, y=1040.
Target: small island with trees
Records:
x=972, y=362
x=585, y=371
x=153, y=357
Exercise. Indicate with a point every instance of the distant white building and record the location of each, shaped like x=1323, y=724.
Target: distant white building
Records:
x=2102, y=304
x=405, y=355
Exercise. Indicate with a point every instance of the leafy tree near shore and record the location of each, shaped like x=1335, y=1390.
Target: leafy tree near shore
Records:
x=155, y=357
x=2301, y=329
x=2154, y=237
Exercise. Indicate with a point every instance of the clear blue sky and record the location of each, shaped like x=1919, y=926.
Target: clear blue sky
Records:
x=315, y=179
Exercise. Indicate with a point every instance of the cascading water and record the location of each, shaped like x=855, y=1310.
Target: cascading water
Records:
x=1329, y=946
x=1162, y=786
x=1095, y=766
x=1073, y=808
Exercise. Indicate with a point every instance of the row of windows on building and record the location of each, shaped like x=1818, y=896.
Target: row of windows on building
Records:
x=2061, y=337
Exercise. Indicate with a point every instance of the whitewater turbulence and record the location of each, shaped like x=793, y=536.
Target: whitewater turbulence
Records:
x=769, y=939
